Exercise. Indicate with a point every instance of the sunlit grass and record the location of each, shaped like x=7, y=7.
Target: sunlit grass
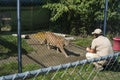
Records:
x=84, y=42
x=12, y=68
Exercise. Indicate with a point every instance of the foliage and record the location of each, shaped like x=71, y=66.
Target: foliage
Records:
x=89, y=13
x=71, y=7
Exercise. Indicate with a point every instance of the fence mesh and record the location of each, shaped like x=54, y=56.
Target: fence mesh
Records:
x=39, y=62
x=79, y=70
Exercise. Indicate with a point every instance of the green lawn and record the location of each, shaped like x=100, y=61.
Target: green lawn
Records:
x=84, y=42
x=82, y=72
x=9, y=47
x=12, y=68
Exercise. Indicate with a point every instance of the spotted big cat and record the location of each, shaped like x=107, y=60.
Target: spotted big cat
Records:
x=56, y=41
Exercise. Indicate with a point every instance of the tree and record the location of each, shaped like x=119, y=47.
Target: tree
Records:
x=88, y=13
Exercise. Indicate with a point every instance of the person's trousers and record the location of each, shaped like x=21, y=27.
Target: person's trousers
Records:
x=94, y=55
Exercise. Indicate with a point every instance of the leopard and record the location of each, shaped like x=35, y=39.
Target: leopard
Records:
x=40, y=37
x=57, y=41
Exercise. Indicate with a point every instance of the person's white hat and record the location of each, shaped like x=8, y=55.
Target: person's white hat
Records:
x=97, y=31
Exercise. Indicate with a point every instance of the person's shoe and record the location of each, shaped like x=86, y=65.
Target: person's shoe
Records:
x=100, y=68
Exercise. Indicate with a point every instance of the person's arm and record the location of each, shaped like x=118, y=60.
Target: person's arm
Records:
x=90, y=50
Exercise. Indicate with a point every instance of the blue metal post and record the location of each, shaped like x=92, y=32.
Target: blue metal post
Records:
x=105, y=16
x=19, y=38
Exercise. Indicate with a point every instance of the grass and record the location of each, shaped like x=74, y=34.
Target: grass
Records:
x=83, y=72
x=84, y=42
x=12, y=67
x=8, y=46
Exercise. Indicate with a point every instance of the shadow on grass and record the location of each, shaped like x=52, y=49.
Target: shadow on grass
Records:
x=113, y=66
x=8, y=49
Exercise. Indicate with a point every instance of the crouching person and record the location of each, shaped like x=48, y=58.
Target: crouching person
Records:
x=100, y=46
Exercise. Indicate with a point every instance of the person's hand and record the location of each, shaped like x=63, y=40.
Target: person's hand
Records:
x=87, y=49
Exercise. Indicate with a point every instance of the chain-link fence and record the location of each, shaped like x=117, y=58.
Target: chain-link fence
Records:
x=35, y=53
x=79, y=70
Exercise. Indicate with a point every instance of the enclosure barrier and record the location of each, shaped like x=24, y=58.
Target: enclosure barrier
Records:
x=44, y=71
x=38, y=19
